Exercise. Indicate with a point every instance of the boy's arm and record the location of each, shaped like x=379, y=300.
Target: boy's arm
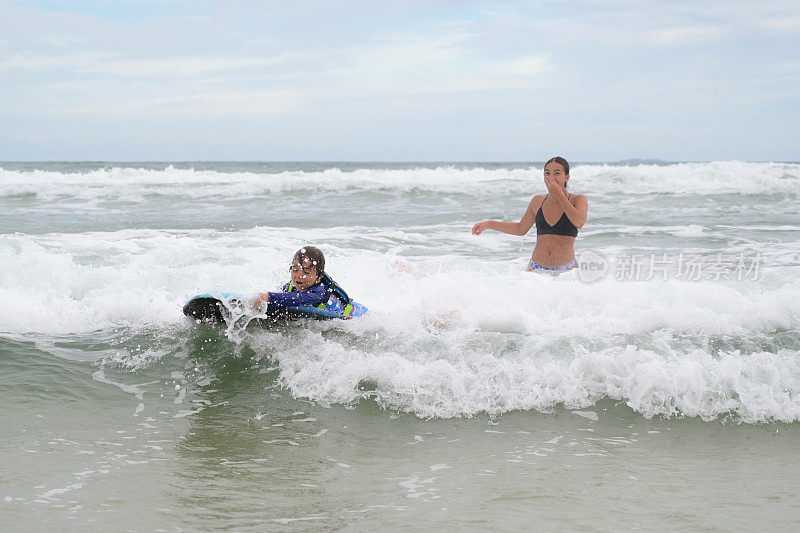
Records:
x=311, y=297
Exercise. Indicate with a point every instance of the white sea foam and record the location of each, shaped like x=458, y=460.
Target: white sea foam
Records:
x=535, y=343
x=466, y=331
x=139, y=185
x=716, y=177
x=451, y=338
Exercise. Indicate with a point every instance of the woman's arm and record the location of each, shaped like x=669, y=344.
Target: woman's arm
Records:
x=512, y=228
x=575, y=213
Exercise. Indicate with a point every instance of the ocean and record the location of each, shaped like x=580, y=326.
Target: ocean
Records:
x=655, y=388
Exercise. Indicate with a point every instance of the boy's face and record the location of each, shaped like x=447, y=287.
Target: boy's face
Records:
x=304, y=273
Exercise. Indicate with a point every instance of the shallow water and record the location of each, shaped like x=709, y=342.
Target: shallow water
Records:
x=475, y=395
x=236, y=451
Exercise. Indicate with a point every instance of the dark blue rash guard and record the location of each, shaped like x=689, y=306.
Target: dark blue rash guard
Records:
x=291, y=297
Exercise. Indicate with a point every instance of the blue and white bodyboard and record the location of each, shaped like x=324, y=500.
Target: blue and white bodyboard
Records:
x=223, y=306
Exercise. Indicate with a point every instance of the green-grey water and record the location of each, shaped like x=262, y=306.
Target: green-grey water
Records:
x=474, y=396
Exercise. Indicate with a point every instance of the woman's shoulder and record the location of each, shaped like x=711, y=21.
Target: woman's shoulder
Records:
x=537, y=201
x=574, y=199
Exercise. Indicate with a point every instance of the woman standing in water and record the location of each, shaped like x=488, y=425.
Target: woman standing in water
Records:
x=554, y=250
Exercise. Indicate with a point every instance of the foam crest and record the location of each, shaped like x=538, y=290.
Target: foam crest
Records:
x=455, y=336
x=665, y=349
x=139, y=184
x=751, y=388
x=64, y=283
x=717, y=177
x=59, y=283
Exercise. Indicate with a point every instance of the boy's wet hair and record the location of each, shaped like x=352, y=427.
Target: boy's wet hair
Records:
x=312, y=255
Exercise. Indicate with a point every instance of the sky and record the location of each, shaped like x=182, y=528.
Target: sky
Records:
x=417, y=80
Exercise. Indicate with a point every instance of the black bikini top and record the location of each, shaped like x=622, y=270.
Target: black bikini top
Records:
x=564, y=226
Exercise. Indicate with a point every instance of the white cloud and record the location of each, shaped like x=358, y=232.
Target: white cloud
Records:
x=63, y=41
x=414, y=65
x=527, y=66
x=180, y=66
x=232, y=103
x=92, y=63
x=49, y=62
x=685, y=35
x=783, y=24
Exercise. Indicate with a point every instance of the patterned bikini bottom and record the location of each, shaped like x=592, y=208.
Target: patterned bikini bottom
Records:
x=563, y=268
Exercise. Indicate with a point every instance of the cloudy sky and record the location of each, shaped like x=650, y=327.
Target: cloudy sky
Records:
x=416, y=80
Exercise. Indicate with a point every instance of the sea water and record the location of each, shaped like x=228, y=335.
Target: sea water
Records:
x=657, y=387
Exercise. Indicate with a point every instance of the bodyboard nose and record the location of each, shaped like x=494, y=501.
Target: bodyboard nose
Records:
x=205, y=309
